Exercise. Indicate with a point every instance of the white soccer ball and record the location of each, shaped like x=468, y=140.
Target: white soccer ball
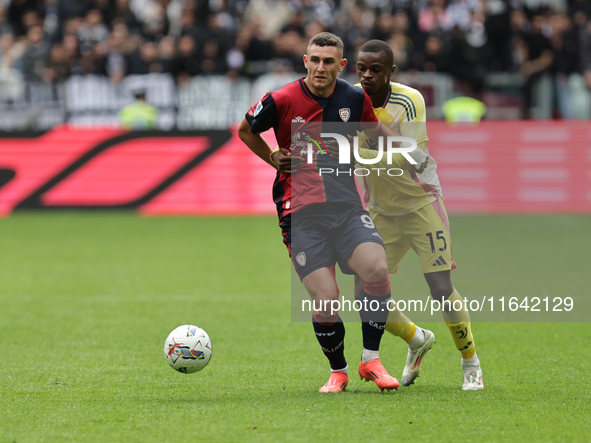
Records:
x=188, y=349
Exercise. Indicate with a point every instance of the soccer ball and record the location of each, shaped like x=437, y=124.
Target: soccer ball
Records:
x=188, y=349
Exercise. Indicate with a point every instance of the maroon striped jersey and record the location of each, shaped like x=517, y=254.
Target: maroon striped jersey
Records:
x=296, y=114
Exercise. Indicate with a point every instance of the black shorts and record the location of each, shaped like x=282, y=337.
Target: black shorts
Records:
x=322, y=235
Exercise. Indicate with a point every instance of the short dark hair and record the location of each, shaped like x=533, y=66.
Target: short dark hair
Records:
x=326, y=39
x=375, y=46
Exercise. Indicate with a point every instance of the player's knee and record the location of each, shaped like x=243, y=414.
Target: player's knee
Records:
x=441, y=292
x=377, y=271
x=440, y=285
x=324, y=292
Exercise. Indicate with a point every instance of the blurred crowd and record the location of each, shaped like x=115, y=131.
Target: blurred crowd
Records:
x=50, y=40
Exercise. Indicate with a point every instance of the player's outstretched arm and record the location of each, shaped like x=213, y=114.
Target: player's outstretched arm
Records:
x=383, y=130
x=418, y=154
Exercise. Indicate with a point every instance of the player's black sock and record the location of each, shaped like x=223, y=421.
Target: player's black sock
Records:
x=332, y=342
x=374, y=316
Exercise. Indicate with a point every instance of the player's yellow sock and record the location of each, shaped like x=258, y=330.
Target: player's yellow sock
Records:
x=458, y=323
x=400, y=325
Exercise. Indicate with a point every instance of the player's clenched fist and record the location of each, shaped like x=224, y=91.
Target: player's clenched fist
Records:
x=284, y=162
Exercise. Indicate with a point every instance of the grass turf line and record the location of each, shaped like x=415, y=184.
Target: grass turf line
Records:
x=88, y=299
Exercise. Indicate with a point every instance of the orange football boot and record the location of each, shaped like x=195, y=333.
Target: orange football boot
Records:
x=337, y=382
x=373, y=370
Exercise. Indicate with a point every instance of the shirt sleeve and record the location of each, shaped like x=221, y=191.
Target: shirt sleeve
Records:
x=414, y=124
x=263, y=115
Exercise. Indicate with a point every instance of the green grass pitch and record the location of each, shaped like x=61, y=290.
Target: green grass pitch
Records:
x=87, y=300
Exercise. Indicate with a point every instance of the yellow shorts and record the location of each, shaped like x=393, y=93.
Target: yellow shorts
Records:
x=426, y=231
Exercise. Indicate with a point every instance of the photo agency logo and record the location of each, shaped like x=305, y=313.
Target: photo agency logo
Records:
x=389, y=147
x=330, y=148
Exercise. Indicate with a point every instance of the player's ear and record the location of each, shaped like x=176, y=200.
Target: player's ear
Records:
x=305, y=61
x=392, y=70
x=342, y=65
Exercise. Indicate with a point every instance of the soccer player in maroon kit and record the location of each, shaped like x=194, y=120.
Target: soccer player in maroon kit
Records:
x=332, y=225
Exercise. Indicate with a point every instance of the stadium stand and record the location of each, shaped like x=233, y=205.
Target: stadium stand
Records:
x=523, y=58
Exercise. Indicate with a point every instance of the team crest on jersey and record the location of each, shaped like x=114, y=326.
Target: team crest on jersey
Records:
x=298, y=119
x=345, y=114
x=301, y=258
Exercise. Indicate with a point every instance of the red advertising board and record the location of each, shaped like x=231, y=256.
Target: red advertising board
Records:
x=514, y=167
x=492, y=167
